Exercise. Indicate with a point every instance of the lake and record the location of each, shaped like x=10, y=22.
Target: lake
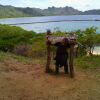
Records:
x=64, y=23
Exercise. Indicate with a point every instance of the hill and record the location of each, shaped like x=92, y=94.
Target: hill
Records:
x=92, y=12
x=10, y=11
x=61, y=11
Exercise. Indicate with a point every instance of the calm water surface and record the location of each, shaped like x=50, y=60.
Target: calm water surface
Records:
x=68, y=25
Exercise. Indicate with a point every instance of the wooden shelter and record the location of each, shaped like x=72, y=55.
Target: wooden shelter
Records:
x=55, y=38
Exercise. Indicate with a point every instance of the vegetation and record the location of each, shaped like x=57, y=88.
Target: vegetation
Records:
x=58, y=33
x=7, y=12
x=85, y=62
x=28, y=43
x=10, y=11
x=39, y=60
x=21, y=42
x=92, y=12
x=88, y=62
x=87, y=39
x=10, y=36
x=60, y=11
x=29, y=47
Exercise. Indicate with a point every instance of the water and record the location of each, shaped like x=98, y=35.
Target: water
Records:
x=68, y=25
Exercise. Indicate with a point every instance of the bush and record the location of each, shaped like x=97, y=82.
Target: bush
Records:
x=10, y=36
x=38, y=49
x=21, y=50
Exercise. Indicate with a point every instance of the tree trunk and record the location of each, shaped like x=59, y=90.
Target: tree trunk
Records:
x=90, y=52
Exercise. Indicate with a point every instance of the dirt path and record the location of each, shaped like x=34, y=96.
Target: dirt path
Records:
x=22, y=81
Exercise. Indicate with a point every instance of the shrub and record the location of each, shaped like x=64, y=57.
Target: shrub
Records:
x=10, y=36
x=21, y=50
x=38, y=49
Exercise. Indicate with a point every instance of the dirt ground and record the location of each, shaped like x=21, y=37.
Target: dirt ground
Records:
x=22, y=81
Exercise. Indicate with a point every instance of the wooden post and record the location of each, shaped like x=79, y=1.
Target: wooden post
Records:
x=71, y=60
x=48, y=52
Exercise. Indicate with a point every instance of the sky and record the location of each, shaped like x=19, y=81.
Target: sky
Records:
x=77, y=4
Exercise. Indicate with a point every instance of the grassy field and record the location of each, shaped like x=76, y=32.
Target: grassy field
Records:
x=88, y=62
x=85, y=62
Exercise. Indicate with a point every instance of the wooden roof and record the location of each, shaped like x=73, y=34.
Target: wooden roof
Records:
x=55, y=38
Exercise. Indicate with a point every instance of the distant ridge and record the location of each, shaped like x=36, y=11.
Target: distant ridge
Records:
x=7, y=11
x=92, y=12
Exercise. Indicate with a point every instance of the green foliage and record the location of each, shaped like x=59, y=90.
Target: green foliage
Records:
x=38, y=49
x=97, y=39
x=59, y=33
x=11, y=36
x=87, y=39
x=38, y=37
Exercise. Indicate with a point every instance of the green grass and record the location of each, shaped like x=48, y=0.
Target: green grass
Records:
x=2, y=56
x=88, y=62
x=28, y=60
x=40, y=60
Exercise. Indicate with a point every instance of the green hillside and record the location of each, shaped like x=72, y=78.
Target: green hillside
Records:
x=10, y=11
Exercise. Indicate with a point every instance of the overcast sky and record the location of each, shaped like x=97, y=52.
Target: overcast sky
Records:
x=78, y=4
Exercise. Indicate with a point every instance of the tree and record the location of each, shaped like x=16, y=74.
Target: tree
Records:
x=87, y=39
